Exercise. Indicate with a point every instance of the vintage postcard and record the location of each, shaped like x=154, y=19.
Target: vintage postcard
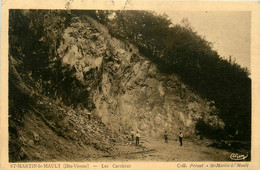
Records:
x=129, y=84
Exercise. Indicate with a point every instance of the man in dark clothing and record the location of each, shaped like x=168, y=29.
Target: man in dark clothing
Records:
x=166, y=137
x=180, y=138
x=137, y=137
x=132, y=135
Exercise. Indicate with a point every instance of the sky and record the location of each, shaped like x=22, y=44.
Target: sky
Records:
x=229, y=31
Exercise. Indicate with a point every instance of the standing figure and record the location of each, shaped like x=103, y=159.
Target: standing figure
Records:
x=180, y=138
x=166, y=137
x=137, y=137
x=132, y=135
x=89, y=115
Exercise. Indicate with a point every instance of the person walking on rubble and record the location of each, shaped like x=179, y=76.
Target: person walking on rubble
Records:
x=166, y=136
x=137, y=137
x=180, y=138
x=132, y=135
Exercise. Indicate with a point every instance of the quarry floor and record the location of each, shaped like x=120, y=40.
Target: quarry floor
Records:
x=52, y=147
x=151, y=149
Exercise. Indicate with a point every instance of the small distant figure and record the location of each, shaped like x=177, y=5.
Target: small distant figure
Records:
x=166, y=136
x=132, y=135
x=137, y=137
x=180, y=138
x=88, y=113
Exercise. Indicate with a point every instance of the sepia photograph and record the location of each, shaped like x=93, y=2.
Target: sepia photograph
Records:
x=129, y=86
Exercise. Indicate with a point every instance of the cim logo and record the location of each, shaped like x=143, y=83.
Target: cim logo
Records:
x=238, y=157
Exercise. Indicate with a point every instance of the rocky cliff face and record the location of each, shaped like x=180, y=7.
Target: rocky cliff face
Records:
x=125, y=89
x=96, y=73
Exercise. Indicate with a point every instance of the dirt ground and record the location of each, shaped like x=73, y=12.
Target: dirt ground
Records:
x=151, y=149
x=53, y=147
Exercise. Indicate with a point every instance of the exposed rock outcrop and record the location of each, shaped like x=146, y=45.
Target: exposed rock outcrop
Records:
x=107, y=78
x=126, y=89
